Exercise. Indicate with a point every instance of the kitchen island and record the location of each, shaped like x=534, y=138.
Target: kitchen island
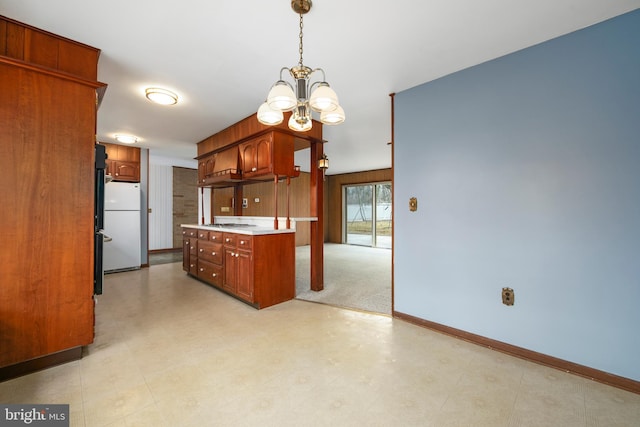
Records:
x=243, y=257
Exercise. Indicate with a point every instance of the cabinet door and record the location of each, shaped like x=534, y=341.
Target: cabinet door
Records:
x=185, y=254
x=230, y=269
x=193, y=256
x=249, y=160
x=201, y=171
x=264, y=159
x=126, y=171
x=244, y=261
x=209, y=165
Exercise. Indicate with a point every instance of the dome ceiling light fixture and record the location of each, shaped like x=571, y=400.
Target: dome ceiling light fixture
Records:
x=161, y=96
x=126, y=139
x=282, y=96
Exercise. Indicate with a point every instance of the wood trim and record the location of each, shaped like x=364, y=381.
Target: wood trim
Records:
x=523, y=353
x=317, y=227
x=30, y=366
x=45, y=32
x=393, y=200
x=99, y=86
x=249, y=128
x=165, y=251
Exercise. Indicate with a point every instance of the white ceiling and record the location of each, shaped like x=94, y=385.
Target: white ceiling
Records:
x=222, y=56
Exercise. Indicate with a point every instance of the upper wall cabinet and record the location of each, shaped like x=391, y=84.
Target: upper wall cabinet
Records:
x=267, y=156
x=123, y=162
x=206, y=169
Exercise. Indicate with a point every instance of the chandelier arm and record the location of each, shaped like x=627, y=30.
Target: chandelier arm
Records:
x=313, y=85
x=281, y=70
x=324, y=78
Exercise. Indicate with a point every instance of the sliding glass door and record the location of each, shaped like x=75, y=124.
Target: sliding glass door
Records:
x=367, y=214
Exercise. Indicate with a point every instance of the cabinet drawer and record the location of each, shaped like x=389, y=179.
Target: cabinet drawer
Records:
x=210, y=252
x=229, y=239
x=243, y=242
x=189, y=232
x=203, y=235
x=215, y=236
x=210, y=273
x=193, y=266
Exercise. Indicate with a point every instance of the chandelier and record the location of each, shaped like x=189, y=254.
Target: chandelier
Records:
x=282, y=96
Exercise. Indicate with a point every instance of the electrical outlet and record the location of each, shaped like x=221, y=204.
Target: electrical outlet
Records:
x=508, y=297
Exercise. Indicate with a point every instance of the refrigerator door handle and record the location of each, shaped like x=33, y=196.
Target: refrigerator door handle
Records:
x=105, y=237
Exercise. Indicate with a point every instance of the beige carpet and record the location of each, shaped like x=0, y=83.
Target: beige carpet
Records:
x=354, y=277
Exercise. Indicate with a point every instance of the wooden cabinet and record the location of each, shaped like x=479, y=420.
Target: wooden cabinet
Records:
x=123, y=162
x=267, y=156
x=210, y=258
x=206, y=167
x=258, y=269
x=123, y=170
x=190, y=250
x=47, y=158
x=238, y=265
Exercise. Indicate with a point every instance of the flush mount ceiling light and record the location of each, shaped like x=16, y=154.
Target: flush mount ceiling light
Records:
x=126, y=139
x=161, y=96
x=282, y=96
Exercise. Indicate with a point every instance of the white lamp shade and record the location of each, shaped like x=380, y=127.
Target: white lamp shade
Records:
x=334, y=117
x=269, y=116
x=299, y=125
x=281, y=97
x=324, y=98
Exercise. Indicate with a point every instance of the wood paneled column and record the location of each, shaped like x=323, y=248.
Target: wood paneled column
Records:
x=317, y=227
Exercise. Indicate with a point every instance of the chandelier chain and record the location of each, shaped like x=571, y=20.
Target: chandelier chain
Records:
x=300, y=47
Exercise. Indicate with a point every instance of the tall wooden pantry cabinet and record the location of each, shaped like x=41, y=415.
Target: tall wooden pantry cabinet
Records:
x=48, y=105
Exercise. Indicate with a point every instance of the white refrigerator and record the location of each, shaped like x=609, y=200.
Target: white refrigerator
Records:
x=121, y=226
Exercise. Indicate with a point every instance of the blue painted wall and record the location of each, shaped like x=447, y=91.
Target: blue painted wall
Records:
x=527, y=174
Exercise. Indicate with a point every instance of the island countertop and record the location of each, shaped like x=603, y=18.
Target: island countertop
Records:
x=251, y=225
x=248, y=229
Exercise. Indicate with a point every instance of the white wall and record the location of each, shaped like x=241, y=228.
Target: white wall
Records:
x=161, y=205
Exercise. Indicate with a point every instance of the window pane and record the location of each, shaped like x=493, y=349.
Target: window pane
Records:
x=359, y=214
x=383, y=216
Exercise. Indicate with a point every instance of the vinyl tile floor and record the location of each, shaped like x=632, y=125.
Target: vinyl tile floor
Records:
x=171, y=351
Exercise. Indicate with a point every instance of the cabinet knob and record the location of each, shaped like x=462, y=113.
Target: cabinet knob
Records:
x=186, y=243
x=213, y=253
x=227, y=240
x=214, y=275
x=201, y=250
x=202, y=269
x=213, y=238
x=237, y=255
x=192, y=265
